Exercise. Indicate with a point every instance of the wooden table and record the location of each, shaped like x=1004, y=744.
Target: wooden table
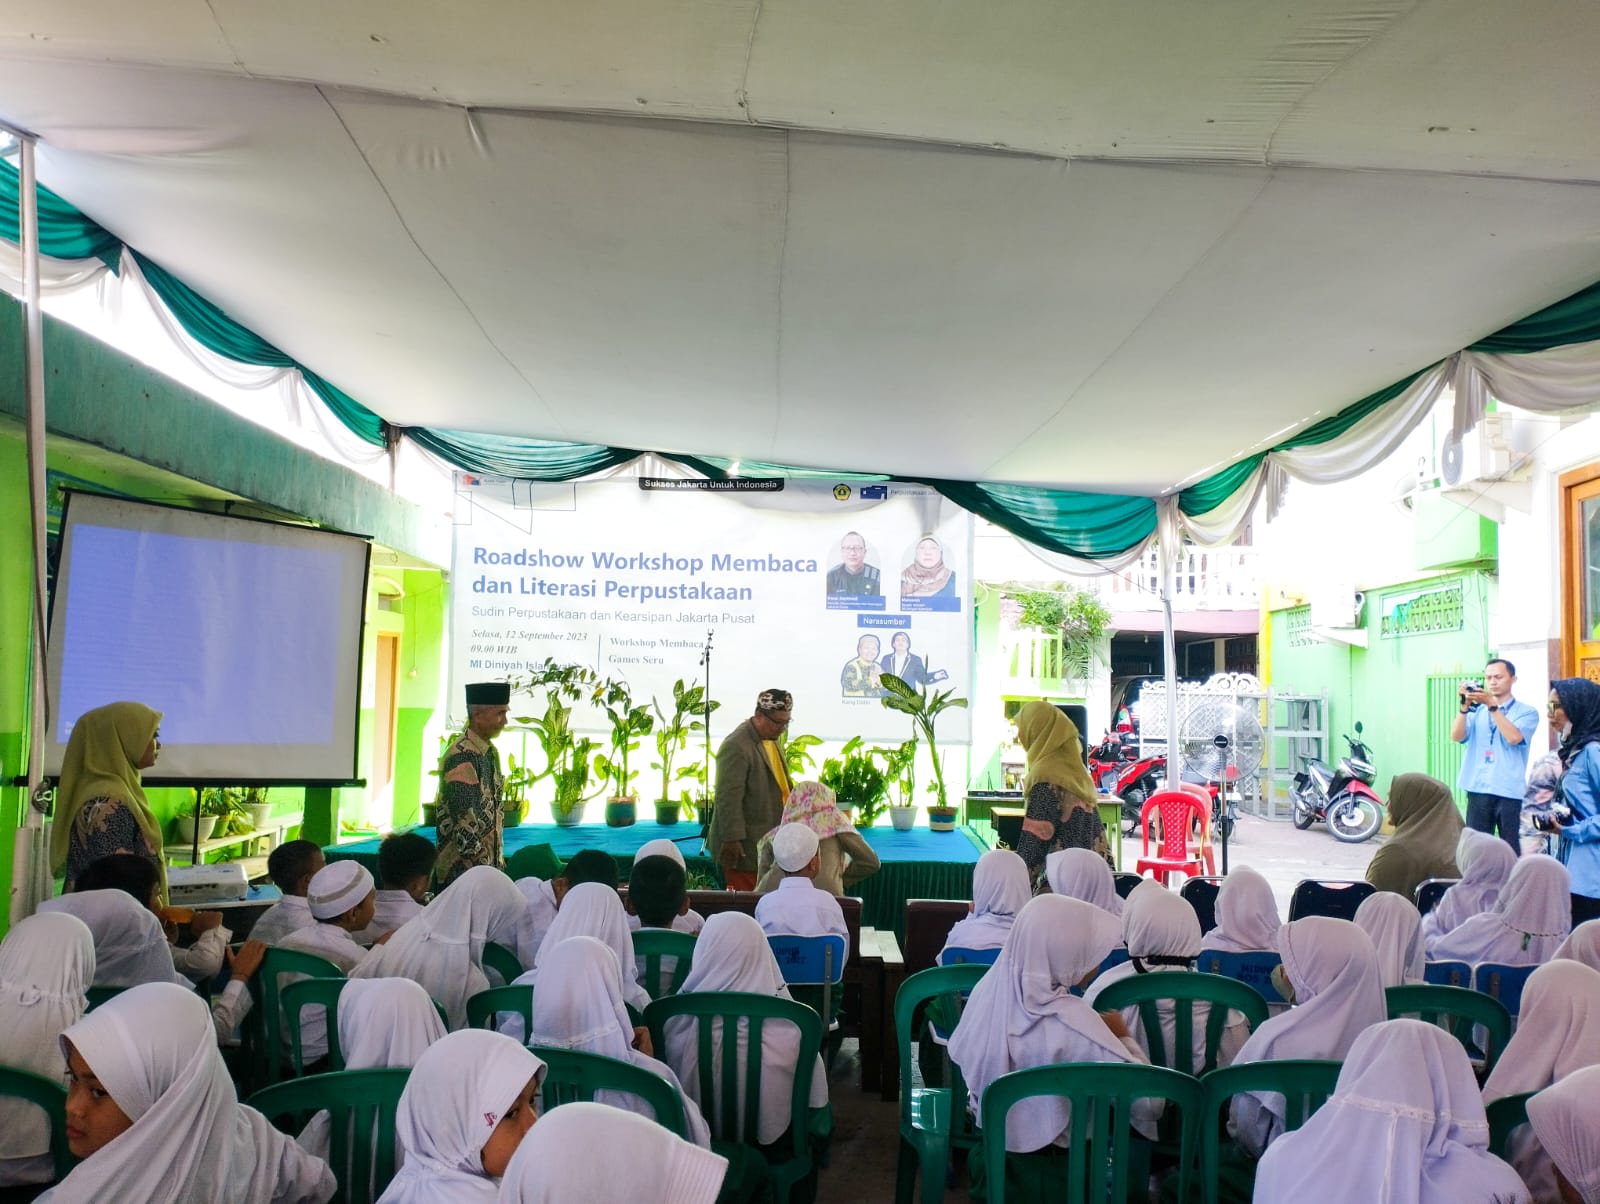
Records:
x=882, y=972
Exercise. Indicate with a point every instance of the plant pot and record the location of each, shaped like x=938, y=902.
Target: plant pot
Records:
x=622, y=812
x=430, y=815
x=667, y=812
x=569, y=817
x=903, y=818
x=942, y=819
x=187, y=825
x=260, y=815
x=511, y=817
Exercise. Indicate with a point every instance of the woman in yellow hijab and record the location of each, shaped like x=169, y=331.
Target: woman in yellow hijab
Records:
x=1058, y=792
x=100, y=804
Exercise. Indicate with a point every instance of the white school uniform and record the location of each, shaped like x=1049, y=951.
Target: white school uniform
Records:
x=1485, y=863
x=1404, y=1126
x=1526, y=925
x=201, y=961
x=1583, y=945
x=1338, y=993
x=536, y=920
x=191, y=1142
x=282, y=918
x=580, y=1007
x=1566, y=1120
x=553, y=1165
x=689, y=923
x=46, y=965
x=1023, y=1013
x=1246, y=913
x=129, y=945
x=732, y=954
x=1394, y=926
x=459, y=1089
x=394, y=909
x=334, y=944
x=1000, y=890
x=1083, y=874
x=797, y=908
x=442, y=949
x=593, y=909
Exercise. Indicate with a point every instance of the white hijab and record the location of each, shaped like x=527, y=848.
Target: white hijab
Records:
x=1083, y=874
x=129, y=946
x=1000, y=890
x=459, y=1089
x=593, y=909
x=1247, y=915
x=732, y=954
x=1404, y=1126
x=1023, y=1013
x=1558, y=1031
x=1155, y=923
x=1338, y=993
x=556, y=1162
x=442, y=949
x=1527, y=924
x=1485, y=863
x=1395, y=927
x=154, y=1050
x=1566, y=1120
x=46, y=965
x=1583, y=945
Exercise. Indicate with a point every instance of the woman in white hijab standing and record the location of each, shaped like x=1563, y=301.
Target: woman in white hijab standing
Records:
x=732, y=954
x=470, y=1100
x=591, y=909
x=1247, y=915
x=1082, y=874
x=129, y=946
x=46, y=965
x=1558, y=1033
x=1394, y=926
x=1331, y=969
x=1485, y=863
x=1527, y=924
x=1404, y=1126
x=1583, y=945
x=659, y=1166
x=442, y=949
x=1000, y=891
x=580, y=1007
x=1566, y=1120
x=152, y=1112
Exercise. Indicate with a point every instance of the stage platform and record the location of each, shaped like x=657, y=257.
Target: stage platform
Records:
x=916, y=865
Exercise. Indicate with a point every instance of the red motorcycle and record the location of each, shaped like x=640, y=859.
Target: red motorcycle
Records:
x=1117, y=768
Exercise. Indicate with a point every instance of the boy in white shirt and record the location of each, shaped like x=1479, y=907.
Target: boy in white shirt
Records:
x=291, y=867
x=137, y=876
x=544, y=898
x=342, y=900
x=685, y=919
x=405, y=868
x=797, y=907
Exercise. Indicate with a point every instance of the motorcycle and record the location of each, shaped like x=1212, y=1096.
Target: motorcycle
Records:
x=1117, y=768
x=1341, y=797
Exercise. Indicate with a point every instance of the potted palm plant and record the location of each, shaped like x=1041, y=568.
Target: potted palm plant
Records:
x=672, y=737
x=900, y=771
x=628, y=723
x=925, y=709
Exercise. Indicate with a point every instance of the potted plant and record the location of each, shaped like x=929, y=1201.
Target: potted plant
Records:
x=900, y=771
x=672, y=737
x=1077, y=616
x=257, y=806
x=566, y=753
x=514, y=786
x=925, y=709
x=186, y=825
x=855, y=781
x=628, y=723
x=797, y=756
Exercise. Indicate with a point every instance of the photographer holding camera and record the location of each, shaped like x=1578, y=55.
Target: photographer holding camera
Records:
x=1496, y=729
x=1575, y=714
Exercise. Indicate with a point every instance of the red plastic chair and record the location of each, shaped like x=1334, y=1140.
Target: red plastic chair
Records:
x=1178, y=810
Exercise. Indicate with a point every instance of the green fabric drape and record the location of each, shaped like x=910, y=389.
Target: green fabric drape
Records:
x=1574, y=319
x=64, y=233
x=508, y=456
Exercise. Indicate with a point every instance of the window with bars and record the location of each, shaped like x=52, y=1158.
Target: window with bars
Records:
x=1424, y=612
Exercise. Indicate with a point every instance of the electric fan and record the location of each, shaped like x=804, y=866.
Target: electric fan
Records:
x=1222, y=741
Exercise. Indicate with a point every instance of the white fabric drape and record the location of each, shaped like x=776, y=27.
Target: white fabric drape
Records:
x=56, y=276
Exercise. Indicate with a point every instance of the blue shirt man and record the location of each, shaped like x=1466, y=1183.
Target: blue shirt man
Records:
x=1496, y=729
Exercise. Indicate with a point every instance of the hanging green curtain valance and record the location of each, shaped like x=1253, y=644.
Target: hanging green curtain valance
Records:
x=526, y=459
x=64, y=233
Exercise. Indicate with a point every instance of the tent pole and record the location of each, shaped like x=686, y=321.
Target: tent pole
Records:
x=1167, y=557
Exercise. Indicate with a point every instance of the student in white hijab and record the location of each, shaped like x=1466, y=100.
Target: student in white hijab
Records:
x=342, y=899
x=383, y=1022
x=46, y=965
x=1394, y=926
x=1558, y=1032
x=1583, y=945
x=1404, y=1126
x=1566, y=1120
x=1331, y=970
x=690, y=921
x=1023, y=1013
x=1527, y=924
x=1162, y=933
x=1485, y=863
x=442, y=949
x=1083, y=874
x=1246, y=913
x=469, y=1102
x=129, y=946
x=732, y=954
x=659, y=1166
x=1000, y=890
x=153, y=1113
x=580, y=1007
x=591, y=909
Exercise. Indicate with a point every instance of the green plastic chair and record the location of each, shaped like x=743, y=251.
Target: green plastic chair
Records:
x=1304, y=1083
x=572, y=1076
x=1099, y=1150
x=653, y=944
x=1505, y=1116
x=482, y=1007
x=98, y=995
x=927, y=1113
x=728, y=1124
x=324, y=993
x=51, y=1097
x=1458, y=1010
x=269, y=1003
x=361, y=1105
x=502, y=961
x=1183, y=990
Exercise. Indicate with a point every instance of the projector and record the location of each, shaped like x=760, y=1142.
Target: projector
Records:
x=220, y=883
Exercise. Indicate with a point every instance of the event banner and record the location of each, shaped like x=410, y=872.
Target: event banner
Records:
x=817, y=587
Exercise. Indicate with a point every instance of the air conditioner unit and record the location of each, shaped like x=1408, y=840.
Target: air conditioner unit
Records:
x=1497, y=447
x=1336, y=606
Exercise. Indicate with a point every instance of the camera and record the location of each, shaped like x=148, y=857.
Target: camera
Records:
x=1558, y=813
x=1470, y=687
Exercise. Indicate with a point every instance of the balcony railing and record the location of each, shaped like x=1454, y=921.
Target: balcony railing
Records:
x=1206, y=579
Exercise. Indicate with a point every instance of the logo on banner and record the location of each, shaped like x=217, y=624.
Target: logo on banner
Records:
x=874, y=493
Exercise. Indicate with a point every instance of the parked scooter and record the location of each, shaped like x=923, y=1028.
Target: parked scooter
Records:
x=1343, y=797
x=1117, y=768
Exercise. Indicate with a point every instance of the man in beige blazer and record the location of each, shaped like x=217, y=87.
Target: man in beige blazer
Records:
x=752, y=786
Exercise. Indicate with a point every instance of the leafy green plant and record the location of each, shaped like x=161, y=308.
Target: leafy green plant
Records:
x=900, y=769
x=1076, y=615
x=856, y=781
x=672, y=737
x=924, y=709
x=566, y=753
x=629, y=722
x=797, y=756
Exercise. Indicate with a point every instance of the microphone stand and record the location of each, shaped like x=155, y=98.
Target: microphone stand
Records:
x=1223, y=826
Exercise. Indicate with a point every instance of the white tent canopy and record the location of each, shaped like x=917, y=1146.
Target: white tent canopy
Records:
x=1088, y=244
